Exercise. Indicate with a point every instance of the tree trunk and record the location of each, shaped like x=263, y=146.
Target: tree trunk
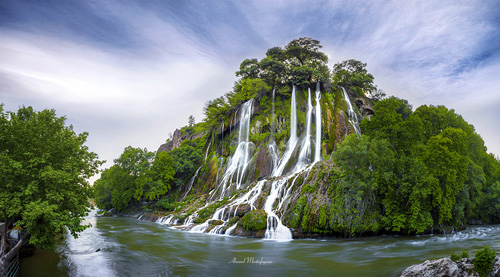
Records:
x=3, y=243
x=7, y=257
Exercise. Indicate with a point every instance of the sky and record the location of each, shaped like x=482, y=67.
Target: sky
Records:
x=131, y=72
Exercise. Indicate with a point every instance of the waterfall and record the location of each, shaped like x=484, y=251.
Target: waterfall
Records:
x=190, y=184
x=317, y=149
x=272, y=147
x=273, y=152
x=353, y=118
x=241, y=157
x=275, y=230
x=292, y=142
x=273, y=118
x=208, y=148
x=305, y=151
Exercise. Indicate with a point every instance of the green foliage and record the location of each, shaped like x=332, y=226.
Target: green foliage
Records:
x=440, y=172
x=454, y=257
x=254, y=220
x=246, y=89
x=186, y=159
x=463, y=255
x=352, y=74
x=483, y=260
x=215, y=111
x=44, y=167
x=136, y=175
x=300, y=63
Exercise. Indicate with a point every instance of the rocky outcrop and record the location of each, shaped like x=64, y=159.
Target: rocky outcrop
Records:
x=177, y=138
x=365, y=107
x=446, y=267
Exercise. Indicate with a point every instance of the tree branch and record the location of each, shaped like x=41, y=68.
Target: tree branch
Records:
x=13, y=252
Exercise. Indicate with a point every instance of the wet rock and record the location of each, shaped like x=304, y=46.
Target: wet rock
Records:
x=446, y=267
x=264, y=164
x=243, y=209
x=441, y=267
x=495, y=270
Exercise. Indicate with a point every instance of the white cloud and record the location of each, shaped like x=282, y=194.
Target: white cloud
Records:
x=120, y=103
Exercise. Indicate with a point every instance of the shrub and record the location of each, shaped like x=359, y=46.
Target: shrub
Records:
x=483, y=260
x=454, y=257
x=463, y=255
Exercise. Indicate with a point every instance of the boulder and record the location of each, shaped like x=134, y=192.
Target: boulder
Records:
x=441, y=267
x=446, y=267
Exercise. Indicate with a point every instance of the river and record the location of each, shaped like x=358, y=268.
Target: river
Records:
x=130, y=247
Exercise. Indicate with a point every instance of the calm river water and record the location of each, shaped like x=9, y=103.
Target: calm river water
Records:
x=130, y=247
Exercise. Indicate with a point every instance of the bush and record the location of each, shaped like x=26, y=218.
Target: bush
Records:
x=454, y=257
x=483, y=260
x=463, y=255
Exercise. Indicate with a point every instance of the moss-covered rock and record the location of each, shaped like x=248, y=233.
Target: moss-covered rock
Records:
x=254, y=220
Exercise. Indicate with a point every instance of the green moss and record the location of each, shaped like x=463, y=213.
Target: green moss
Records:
x=297, y=212
x=205, y=213
x=254, y=220
x=233, y=220
x=322, y=219
x=305, y=224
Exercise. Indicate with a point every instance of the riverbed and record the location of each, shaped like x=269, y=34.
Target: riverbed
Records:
x=124, y=246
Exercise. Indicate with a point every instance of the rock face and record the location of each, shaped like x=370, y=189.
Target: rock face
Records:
x=177, y=138
x=446, y=267
x=365, y=107
x=174, y=143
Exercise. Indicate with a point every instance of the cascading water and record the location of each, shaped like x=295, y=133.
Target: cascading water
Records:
x=292, y=142
x=317, y=149
x=353, y=118
x=275, y=229
x=190, y=184
x=305, y=151
x=272, y=147
x=280, y=187
x=241, y=158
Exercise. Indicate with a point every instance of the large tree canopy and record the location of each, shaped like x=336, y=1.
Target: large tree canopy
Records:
x=44, y=167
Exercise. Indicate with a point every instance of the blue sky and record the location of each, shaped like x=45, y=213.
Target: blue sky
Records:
x=131, y=72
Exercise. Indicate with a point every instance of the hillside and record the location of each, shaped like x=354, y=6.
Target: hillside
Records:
x=297, y=150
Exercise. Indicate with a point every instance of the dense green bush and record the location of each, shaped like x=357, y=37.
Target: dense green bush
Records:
x=483, y=260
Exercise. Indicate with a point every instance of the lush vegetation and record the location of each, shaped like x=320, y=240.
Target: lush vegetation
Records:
x=411, y=171
x=141, y=176
x=44, y=167
x=483, y=261
x=422, y=168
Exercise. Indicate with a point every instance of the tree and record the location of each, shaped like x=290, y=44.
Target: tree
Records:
x=352, y=75
x=249, y=68
x=157, y=180
x=191, y=121
x=44, y=167
x=186, y=158
x=305, y=51
x=124, y=182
